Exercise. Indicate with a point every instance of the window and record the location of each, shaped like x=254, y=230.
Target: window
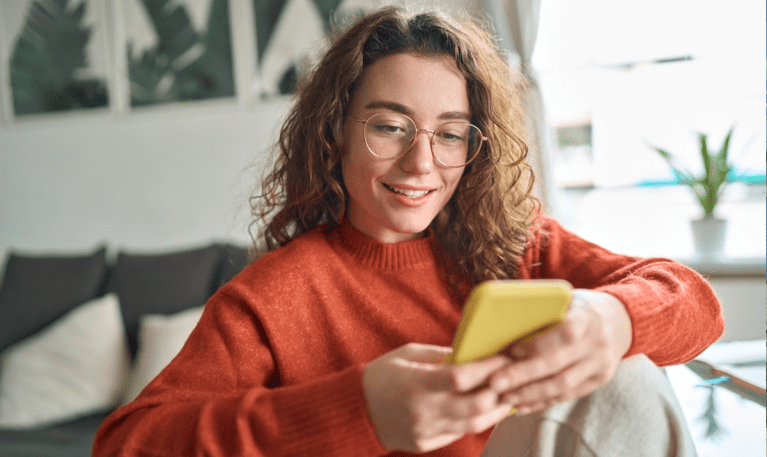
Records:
x=620, y=76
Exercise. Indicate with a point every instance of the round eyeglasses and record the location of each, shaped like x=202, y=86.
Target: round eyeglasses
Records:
x=392, y=135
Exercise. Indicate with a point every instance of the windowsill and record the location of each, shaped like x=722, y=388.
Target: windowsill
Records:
x=654, y=222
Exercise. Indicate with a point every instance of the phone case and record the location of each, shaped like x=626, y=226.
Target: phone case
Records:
x=498, y=313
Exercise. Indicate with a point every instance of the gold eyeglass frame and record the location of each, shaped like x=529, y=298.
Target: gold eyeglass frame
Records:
x=483, y=138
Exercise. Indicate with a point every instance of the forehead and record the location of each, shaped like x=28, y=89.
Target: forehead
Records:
x=426, y=85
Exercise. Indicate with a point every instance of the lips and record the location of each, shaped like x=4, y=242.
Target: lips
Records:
x=410, y=192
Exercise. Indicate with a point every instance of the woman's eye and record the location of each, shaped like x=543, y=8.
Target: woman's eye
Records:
x=388, y=129
x=450, y=137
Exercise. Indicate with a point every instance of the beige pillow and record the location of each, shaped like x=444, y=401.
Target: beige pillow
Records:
x=73, y=367
x=161, y=337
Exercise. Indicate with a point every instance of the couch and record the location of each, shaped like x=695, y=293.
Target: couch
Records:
x=82, y=334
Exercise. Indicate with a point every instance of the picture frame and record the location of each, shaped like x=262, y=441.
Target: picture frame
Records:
x=173, y=51
x=122, y=63
x=56, y=56
x=289, y=37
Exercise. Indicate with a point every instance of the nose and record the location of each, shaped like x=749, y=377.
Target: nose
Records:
x=419, y=159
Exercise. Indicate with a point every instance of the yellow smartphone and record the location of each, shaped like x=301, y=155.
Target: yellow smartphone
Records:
x=497, y=313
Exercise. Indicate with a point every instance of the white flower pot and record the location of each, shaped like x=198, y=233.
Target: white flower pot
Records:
x=708, y=234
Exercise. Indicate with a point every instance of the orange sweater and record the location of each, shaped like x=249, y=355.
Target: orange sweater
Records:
x=274, y=366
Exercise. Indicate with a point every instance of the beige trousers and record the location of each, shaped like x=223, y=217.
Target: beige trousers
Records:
x=635, y=414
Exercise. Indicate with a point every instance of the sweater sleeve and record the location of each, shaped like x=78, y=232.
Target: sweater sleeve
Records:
x=674, y=312
x=216, y=399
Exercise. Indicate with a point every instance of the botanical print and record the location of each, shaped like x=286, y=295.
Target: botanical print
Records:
x=178, y=50
x=57, y=55
x=172, y=50
x=289, y=33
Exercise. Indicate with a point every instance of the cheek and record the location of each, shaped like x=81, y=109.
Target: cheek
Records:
x=354, y=174
x=346, y=175
x=359, y=166
x=452, y=180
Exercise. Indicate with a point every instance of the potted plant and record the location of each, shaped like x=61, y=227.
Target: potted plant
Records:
x=708, y=231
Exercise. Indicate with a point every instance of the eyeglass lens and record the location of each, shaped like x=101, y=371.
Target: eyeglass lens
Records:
x=390, y=135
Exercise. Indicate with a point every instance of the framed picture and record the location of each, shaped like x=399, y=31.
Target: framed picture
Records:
x=176, y=50
x=66, y=55
x=290, y=34
x=55, y=53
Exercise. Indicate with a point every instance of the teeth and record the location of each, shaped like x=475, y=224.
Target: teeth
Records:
x=409, y=193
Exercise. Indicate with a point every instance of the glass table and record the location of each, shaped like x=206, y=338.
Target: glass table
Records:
x=722, y=396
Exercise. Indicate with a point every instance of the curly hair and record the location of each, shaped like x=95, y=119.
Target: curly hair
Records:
x=486, y=225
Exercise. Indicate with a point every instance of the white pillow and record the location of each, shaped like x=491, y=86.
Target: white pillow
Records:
x=75, y=366
x=161, y=338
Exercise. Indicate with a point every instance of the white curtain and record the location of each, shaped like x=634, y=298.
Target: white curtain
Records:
x=516, y=23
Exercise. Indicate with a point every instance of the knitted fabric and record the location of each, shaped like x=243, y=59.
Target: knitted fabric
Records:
x=274, y=366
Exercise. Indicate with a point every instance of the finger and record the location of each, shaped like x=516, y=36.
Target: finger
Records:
x=480, y=423
x=536, y=368
x=465, y=377
x=547, y=355
x=528, y=344
x=584, y=389
x=424, y=353
x=571, y=330
x=467, y=405
x=577, y=380
x=555, y=387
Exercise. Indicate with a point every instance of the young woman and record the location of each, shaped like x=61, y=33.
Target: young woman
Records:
x=401, y=182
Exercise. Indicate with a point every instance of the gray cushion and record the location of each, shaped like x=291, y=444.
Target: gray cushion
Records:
x=233, y=260
x=162, y=284
x=37, y=290
x=70, y=439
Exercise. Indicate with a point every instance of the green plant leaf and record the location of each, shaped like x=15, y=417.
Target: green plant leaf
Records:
x=174, y=29
x=705, y=156
x=326, y=8
x=146, y=74
x=721, y=158
x=48, y=52
x=266, y=12
x=214, y=69
x=184, y=65
x=684, y=176
x=716, y=170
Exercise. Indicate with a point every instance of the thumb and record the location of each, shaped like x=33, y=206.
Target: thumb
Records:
x=431, y=362
x=423, y=353
x=468, y=376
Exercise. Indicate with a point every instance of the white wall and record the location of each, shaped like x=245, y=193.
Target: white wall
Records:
x=742, y=305
x=157, y=178
x=153, y=179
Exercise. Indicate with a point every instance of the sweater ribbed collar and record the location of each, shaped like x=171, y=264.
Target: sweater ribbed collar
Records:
x=386, y=256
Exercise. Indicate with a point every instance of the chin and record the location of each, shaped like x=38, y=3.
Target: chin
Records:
x=413, y=228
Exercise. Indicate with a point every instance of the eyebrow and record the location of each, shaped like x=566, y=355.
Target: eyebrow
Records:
x=402, y=109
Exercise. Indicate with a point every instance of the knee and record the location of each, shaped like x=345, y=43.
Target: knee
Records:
x=636, y=414
x=636, y=410
x=641, y=389
x=639, y=382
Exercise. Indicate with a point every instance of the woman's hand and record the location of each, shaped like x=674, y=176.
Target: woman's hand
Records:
x=570, y=360
x=417, y=403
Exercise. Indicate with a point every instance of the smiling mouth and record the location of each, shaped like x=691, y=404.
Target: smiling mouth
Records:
x=410, y=193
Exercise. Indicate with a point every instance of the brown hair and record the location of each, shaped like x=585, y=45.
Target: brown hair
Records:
x=485, y=227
